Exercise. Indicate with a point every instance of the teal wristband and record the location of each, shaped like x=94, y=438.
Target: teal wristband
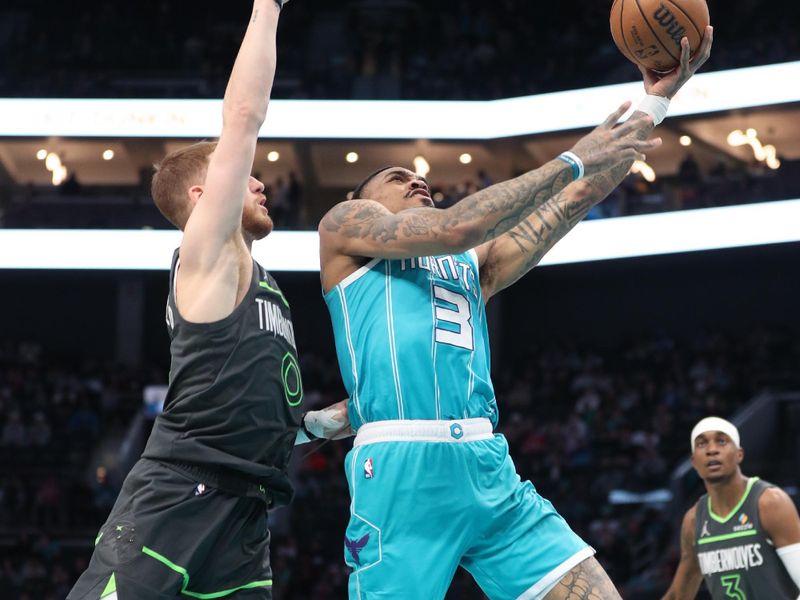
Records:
x=575, y=163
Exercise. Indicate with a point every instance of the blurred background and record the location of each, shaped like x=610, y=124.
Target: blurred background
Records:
x=601, y=368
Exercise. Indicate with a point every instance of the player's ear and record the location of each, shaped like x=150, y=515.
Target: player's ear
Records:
x=194, y=193
x=739, y=456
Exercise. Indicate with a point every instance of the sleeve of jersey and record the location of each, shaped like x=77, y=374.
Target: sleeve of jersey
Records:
x=790, y=557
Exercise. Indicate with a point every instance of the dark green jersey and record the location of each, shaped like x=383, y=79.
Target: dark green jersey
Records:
x=235, y=391
x=737, y=559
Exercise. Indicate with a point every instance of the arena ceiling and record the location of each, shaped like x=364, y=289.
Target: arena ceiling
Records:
x=322, y=163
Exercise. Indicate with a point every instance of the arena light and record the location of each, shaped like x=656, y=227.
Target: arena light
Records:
x=53, y=164
x=465, y=158
x=685, y=140
x=343, y=119
x=606, y=239
x=767, y=154
x=274, y=156
x=41, y=154
x=351, y=157
x=108, y=154
x=421, y=166
x=645, y=170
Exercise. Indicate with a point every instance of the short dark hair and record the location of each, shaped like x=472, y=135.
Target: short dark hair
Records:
x=360, y=187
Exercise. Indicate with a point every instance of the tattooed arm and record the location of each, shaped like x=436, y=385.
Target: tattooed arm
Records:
x=504, y=260
x=366, y=228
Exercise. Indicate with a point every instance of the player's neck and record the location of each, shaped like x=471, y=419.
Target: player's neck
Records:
x=248, y=242
x=726, y=494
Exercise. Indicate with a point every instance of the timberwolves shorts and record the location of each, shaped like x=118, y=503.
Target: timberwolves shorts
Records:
x=428, y=496
x=173, y=535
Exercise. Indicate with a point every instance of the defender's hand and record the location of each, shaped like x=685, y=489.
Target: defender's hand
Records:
x=667, y=85
x=329, y=423
x=609, y=145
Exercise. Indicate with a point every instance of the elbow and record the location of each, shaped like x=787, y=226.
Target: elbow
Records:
x=245, y=115
x=463, y=238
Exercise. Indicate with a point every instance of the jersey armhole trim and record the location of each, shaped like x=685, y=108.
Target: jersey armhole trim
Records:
x=356, y=275
x=235, y=314
x=474, y=254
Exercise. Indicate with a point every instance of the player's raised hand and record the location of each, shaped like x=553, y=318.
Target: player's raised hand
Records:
x=667, y=85
x=609, y=145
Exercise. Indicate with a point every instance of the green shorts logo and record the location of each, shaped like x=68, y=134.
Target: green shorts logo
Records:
x=292, y=382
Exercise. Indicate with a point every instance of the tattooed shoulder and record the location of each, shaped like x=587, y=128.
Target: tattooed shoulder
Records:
x=363, y=219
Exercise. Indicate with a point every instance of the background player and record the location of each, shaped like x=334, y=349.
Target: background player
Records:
x=191, y=518
x=431, y=487
x=743, y=534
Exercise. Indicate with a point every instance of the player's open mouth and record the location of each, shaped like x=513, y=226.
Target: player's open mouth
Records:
x=713, y=463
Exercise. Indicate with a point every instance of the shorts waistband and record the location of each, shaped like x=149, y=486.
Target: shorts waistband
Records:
x=464, y=430
x=223, y=479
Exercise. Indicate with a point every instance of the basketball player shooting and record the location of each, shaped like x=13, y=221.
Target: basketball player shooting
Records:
x=431, y=486
x=191, y=518
x=743, y=535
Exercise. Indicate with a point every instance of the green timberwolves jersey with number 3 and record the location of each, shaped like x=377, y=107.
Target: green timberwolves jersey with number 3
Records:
x=735, y=556
x=412, y=341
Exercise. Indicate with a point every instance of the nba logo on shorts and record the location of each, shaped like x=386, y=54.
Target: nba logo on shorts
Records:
x=368, y=473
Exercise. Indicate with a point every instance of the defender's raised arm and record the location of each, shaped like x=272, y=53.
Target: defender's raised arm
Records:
x=218, y=211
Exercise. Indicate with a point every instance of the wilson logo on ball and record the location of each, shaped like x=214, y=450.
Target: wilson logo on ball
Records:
x=667, y=20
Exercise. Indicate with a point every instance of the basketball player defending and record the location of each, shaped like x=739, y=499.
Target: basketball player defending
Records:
x=431, y=487
x=191, y=519
x=743, y=535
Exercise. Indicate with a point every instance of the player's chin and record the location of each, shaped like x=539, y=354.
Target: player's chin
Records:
x=260, y=228
x=715, y=477
x=422, y=202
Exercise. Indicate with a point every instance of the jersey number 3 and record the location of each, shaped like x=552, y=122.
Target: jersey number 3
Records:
x=732, y=589
x=453, y=325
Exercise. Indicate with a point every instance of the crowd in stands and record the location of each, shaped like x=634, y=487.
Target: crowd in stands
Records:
x=131, y=208
x=457, y=49
x=52, y=496
x=580, y=422
x=723, y=185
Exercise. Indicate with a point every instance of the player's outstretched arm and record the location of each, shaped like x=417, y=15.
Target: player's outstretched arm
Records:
x=507, y=258
x=365, y=228
x=688, y=577
x=217, y=215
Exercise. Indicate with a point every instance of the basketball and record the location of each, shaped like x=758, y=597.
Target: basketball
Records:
x=649, y=32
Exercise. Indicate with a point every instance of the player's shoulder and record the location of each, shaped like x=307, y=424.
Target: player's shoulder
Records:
x=690, y=517
x=773, y=498
x=348, y=213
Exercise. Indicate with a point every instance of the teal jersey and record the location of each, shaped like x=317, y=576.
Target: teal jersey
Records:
x=412, y=341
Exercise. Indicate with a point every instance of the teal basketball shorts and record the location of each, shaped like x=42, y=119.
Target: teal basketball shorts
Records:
x=428, y=496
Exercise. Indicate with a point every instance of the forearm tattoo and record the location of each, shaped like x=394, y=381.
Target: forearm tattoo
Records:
x=482, y=216
x=553, y=220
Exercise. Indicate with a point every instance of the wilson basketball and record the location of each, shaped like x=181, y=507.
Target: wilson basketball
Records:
x=649, y=32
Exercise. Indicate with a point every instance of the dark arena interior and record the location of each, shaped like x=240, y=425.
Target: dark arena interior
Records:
x=603, y=357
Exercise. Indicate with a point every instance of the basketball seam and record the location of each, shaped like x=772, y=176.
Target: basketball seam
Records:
x=653, y=31
x=688, y=18
x=622, y=31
